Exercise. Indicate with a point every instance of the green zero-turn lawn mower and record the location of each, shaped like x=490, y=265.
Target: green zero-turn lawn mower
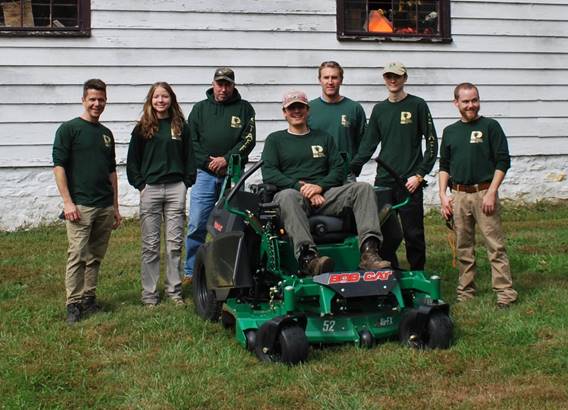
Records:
x=246, y=276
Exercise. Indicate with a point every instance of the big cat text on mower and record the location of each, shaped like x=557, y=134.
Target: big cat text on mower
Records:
x=352, y=277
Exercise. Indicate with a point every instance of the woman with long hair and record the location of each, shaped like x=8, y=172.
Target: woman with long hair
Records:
x=161, y=165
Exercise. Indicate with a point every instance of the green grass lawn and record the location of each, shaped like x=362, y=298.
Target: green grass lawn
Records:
x=129, y=357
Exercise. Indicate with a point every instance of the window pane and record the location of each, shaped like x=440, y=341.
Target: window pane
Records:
x=398, y=17
x=40, y=14
x=16, y=14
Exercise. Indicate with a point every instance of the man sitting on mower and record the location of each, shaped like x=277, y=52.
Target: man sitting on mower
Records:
x=307, y=168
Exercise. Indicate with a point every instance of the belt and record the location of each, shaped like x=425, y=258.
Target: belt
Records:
x=471, y=188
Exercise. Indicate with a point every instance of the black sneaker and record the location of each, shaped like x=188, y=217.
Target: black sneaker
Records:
x=73, y=313
x=90, y=306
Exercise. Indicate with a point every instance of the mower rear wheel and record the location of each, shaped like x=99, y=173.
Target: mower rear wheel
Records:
x=206, y=303
x=292, y=347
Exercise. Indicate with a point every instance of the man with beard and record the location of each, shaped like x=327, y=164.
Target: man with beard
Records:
x=475, y=155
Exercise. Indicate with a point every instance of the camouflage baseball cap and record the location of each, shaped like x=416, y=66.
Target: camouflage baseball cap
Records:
x=292, y=97
x=395, y=67
x=224, y=73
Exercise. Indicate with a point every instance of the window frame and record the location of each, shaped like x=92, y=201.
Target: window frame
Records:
x=83, y=29
x=443, y=37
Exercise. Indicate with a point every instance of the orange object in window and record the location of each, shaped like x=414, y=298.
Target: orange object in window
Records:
x=378, y=23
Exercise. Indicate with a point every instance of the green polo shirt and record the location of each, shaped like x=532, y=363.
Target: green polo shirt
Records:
x=471, y=151
x=86, y=151
x=345, y=121
x=311, y=158
x=399, y=127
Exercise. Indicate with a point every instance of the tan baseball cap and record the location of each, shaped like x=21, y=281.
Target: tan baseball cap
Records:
x=395, y=67
x=292, y=97
x=224, y=73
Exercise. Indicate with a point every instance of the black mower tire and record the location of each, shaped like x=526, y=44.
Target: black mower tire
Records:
x=440, y=331
x=437, y=334
x=408, y=335
x=292, y=347
x=204, y=299
x=250, y=336
x=366, y=339
x=227, y=320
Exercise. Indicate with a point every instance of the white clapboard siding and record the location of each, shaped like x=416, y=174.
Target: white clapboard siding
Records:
x=270, y=40
x=190, y=93
x=272, y=111
x=516, y=51
x=119, y=53
x=281, y=6
x=229, y=6
x=140, y=75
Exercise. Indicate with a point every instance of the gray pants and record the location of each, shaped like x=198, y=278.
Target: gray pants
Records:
x=162, y=202
x=359, y=196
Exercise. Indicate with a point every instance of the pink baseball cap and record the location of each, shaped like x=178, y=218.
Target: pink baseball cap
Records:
x=292, y=97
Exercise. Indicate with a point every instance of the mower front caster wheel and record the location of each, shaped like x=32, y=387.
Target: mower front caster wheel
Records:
x=435, y=334
x=366, y=339
x=291, y=347
x=250, y=336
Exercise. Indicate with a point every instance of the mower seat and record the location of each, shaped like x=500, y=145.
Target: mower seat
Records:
x=324, y=228
x=331, y=229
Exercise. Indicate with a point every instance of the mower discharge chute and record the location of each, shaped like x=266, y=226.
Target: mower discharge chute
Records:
x=247, y=276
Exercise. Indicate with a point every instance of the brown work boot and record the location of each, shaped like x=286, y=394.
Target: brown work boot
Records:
x=312, y=264
x=370, y=259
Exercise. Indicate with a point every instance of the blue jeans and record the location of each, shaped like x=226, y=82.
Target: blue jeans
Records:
x=204, y=194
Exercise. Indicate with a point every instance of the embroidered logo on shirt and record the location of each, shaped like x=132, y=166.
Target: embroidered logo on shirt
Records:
x=405, y=117
x=317, y=151
x=476, y=137
x=236, y=122
x=107, y=140
x=345, y=121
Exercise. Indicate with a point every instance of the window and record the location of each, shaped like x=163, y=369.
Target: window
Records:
x=45, y=18
x=410, y=20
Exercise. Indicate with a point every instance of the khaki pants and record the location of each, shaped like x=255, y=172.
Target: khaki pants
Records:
x=359, y=196
x=88, y=240
x=468, y=213
x=162, y=202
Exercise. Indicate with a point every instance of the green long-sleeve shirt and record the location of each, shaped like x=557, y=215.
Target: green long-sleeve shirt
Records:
x=399, y=128
x=312, y=158
x=222, y=129
x=345, y=121
x=86, y=151
x=471, y=151
x=164, y=158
